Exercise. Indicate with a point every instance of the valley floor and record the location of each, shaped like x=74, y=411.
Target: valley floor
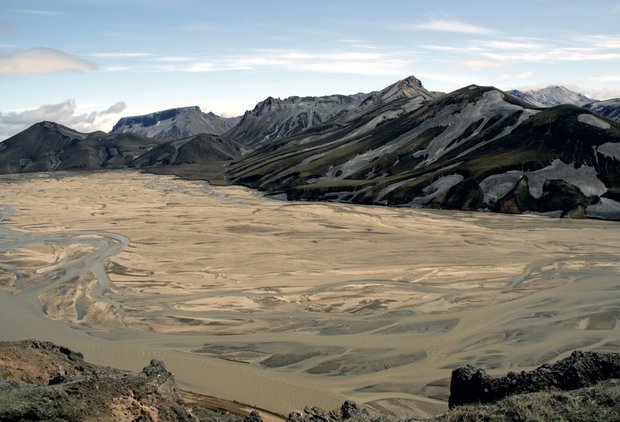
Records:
x=280, y=304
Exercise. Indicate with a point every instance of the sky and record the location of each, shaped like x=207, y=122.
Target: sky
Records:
x=86, y=63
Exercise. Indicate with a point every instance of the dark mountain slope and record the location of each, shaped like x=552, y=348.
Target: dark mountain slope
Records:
x=198, y=149
x=608, y=108
x=275, y=119
x=375, y=148
x=475, y=148
x=48, y=146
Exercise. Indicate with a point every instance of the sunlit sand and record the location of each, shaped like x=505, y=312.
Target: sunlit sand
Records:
x=282, y=304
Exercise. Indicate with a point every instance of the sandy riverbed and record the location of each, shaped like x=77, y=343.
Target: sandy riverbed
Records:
x=281, y=304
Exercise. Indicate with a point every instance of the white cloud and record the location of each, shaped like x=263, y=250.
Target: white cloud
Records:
x=553, y=55
x=350, y=59
x=606, y=78
x=449, y=80
x=454, y=49
x=114, y=68
x=447, y=25
x=603, y=94
x=522, y=75
x=350, y=62
x=195, y=67
x=64, y=113
x=172, y=59
x=479, y=63
x=353, y=43
x=602, y=41
x=41, y=61
x=123, y=54
x=41, y=12
x=483, y=54
x=513, y=45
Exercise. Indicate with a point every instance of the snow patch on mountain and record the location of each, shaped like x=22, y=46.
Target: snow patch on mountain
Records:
x=593, y=121
x=606, y=208
x=607, y=108
x=497, y=186
x=584, y=177
x=610, y=149
x=491, y=104
x=438, y=187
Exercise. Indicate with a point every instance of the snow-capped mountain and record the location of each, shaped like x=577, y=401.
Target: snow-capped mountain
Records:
x=551, y=96
x=175, y=123
x=607, y=108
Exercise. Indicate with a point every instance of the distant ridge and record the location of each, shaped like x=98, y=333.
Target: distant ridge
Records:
x=175, y=123
x=608, y=108
x=49, y=146
x=552, y=96
x=275, y=118
x=471, y=149
x=476, y=148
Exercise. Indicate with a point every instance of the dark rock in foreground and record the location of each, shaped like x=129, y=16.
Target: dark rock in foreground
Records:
x=580, y=369
x=254, y=416
x=349, y=410
x=42, y=381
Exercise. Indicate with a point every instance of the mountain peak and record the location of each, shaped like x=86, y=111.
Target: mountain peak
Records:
x=551, y=96
x=410, y=87
x=48, y=124
x=174, y=123
x=412, y=81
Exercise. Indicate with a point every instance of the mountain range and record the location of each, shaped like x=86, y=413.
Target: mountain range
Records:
x=175, y=123
x=555, y=95
x=49, y=146
x=551, y=96
x=551, y=151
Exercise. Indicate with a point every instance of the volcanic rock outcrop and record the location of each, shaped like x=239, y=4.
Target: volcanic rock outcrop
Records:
x=580, y=369
x=42, y=381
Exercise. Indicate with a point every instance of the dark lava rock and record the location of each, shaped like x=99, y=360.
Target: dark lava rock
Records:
x=254, y=416
x=156, y=371
x=580, y=369
x=347, y=411
x=42, y=381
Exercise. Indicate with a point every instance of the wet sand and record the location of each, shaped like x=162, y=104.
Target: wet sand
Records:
x=280, y=304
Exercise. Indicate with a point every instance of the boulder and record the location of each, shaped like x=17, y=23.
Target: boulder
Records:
x=580, y=369
x=254, y=416
x=348, y=410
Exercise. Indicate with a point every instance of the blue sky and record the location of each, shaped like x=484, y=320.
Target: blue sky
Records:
x=85, y=63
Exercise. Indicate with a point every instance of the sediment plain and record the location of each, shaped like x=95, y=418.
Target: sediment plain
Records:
x=282, y=304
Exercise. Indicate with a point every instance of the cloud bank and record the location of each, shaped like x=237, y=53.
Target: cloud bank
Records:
x=64, y=113
x=449, y=25
x=37, y=61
